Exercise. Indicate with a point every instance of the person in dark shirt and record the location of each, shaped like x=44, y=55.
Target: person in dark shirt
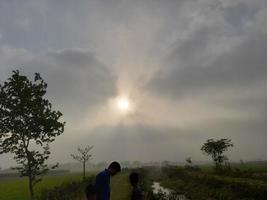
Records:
x=102, y=182
x=136, y=191
x=90, y=192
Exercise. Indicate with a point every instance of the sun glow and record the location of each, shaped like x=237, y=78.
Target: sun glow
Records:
x=123, y=104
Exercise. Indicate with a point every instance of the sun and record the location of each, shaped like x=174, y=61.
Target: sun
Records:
x=123, y=104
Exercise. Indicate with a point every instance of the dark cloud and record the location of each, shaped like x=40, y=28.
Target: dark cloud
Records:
x=214, y=57
x=240, y=68
x=75, y=58
x=76, y=79
x=239, y=13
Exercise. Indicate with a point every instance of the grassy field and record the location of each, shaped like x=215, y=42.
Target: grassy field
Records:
x=232, y=184
x=120, y=187
x=17, y=189
x=199, y=184
x=247, y=166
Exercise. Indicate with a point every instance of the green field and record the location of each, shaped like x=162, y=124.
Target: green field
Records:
x=200, y=183
x=120, y=187
x=17, y=189
x=254, y=167
x=236, y=183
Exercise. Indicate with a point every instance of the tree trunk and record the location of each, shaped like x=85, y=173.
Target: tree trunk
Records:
x=84, y=171
x=31, y=188
x=30, y=174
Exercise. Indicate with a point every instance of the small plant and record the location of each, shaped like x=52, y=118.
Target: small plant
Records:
x=67, y=191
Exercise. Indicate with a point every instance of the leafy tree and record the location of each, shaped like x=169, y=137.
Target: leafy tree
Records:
x=83, y=157
x=28, y=125
x=215, y=149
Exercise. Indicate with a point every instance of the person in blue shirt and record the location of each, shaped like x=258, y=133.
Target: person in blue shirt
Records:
x=102, y=181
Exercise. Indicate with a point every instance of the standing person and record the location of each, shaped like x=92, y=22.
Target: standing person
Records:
x=136, y=191
x=102, y=182
x=90, y=192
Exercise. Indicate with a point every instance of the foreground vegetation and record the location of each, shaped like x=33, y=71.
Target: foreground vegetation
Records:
x=240, y=182
x=68, y=186
x=202, y=184
x=17, y=189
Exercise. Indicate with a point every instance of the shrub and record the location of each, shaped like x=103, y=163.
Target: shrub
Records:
x=66, y=191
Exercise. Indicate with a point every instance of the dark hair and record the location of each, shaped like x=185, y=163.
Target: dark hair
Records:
x=90, y=190
x=134, y=178
x=115, y=165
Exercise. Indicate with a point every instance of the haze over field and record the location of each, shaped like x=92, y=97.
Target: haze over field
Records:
x=146, y=80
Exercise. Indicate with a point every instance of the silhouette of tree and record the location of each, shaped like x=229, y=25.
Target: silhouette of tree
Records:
x=215, y=149
x=27, y=125
x=189, y=162
x=83, y=157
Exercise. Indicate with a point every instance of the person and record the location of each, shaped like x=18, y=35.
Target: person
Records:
x=90, y=192
x=136, y=191
x=102, y=181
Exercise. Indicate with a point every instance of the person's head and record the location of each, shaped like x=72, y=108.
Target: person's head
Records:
x=90, y=192
x=114, y=168
x=134, y=178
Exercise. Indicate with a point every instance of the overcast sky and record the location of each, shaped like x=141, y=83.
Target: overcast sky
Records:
x=192, y=70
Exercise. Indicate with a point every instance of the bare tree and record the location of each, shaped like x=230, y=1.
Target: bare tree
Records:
x=83, y=156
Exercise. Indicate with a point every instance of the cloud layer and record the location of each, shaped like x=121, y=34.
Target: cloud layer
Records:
x=193, y=69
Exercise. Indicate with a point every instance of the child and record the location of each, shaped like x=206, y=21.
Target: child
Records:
x=136, y=192
x=90, y=192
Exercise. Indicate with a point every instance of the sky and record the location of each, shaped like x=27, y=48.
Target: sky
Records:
x=191, y=69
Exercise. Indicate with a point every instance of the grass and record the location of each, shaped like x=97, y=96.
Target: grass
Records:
x=17, y=189
x=253, y=167
x=120, y=187
x=204, y=184
x=199, y=184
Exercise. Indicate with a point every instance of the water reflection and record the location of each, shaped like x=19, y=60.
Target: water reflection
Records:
x=167, y=193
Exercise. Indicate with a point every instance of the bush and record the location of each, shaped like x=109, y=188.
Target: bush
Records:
x=66, y=191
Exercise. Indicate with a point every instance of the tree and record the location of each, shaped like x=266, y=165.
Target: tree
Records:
x=83, y=157
x=28, y=125
x=189, y=163
x=215, y=149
